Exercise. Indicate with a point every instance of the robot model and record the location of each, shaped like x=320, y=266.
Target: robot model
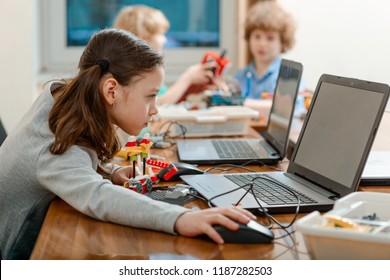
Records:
x=138, y=153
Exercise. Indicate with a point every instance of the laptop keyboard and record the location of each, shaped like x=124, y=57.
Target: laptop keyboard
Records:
x=233, y=149
x=270, y=190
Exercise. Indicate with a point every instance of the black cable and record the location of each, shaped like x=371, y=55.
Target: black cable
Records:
x=285, y=235
x=225, y=193
x=264, y=211
x=269, y=217
x=165, y=134
x=242, y=197
x=197, y=196
x=159, y=132
x=234, y=166
x=241, y=166
x=261, y=164
x=286, y=188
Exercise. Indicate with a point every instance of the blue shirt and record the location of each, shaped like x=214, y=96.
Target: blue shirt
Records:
x=252, y=86
x=163, y=89
x=265, y=84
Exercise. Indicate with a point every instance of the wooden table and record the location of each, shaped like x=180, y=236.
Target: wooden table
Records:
x=68, y=234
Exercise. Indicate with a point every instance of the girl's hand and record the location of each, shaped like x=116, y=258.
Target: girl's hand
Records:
x=191, y=224
x=122, y=175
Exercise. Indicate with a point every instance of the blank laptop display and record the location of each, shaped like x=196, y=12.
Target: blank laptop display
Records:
x=327, y=161
x=268, y=151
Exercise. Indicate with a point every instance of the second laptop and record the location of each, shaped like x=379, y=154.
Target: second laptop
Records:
x=268, y=151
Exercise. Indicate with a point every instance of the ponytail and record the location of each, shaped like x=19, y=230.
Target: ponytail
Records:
x=79, y=116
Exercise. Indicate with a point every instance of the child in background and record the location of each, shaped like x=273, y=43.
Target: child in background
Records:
x=151, y=25
x=269, y=31
x=64, y=144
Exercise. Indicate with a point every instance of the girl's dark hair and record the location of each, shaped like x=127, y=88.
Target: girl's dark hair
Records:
x=80, y=114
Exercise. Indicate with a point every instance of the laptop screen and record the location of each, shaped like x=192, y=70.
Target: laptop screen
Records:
x=283, y=105
x=337, y=131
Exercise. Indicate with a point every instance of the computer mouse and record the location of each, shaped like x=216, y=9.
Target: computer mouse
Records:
x=252, y=232
x=183, y=169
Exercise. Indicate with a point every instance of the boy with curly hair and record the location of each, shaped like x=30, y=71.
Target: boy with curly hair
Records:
x=269, y=31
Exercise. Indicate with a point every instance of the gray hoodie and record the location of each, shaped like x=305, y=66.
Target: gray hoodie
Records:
x=31, y=176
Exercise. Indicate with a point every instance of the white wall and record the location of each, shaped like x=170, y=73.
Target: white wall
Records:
x=342, y=37
x=16, y=60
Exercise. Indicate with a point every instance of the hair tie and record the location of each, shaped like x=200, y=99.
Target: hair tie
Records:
x=103, y=63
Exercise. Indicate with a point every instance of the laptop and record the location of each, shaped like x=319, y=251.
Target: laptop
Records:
x=377, y=169
x=268, y=151
x=328, y=158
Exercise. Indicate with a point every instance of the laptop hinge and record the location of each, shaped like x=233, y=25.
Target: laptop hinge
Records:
x=314, y=186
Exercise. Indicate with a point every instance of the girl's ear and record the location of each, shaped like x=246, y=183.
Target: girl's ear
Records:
x=109, y=87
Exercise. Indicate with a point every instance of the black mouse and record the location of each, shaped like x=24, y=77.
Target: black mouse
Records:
x=252, y=232
x=183, y=169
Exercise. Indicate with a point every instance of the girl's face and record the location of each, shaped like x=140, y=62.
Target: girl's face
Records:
x=134, y=105
x=157, y=41
x=265, y=46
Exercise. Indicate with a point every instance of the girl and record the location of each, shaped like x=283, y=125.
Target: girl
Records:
x=64, y=144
